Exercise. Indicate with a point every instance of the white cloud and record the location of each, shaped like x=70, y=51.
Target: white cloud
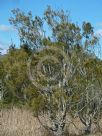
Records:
x=6, y=28
x=99, y=32
x=99, y=24
x=2, y=44
x=4, y=51
x=3, y=47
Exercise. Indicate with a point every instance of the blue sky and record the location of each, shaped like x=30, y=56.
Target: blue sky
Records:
x=80, y=10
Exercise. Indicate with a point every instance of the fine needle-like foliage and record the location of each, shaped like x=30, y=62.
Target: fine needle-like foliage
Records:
x=56, y=75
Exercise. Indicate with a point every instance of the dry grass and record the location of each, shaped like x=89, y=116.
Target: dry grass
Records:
x=18, y=122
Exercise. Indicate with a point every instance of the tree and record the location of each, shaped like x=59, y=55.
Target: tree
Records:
x=60, y=70
x=89, y=101
x=29, y=29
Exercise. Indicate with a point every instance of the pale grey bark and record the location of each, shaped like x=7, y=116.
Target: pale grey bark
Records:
x=1, y=90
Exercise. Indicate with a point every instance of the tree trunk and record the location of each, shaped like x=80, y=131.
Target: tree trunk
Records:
x=87, y=122
x=88, y=129
x=59, y=131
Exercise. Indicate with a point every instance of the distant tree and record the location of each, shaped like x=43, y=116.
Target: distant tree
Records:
x=26, y=48
x=2, y=74
x=15, y=69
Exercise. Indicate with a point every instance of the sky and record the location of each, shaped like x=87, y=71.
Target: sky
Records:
x=80, y=10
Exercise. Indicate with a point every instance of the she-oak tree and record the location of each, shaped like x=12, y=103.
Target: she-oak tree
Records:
x=76, y=89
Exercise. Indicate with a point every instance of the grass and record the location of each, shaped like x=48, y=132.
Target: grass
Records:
x=21, y=122
x=18, y=122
